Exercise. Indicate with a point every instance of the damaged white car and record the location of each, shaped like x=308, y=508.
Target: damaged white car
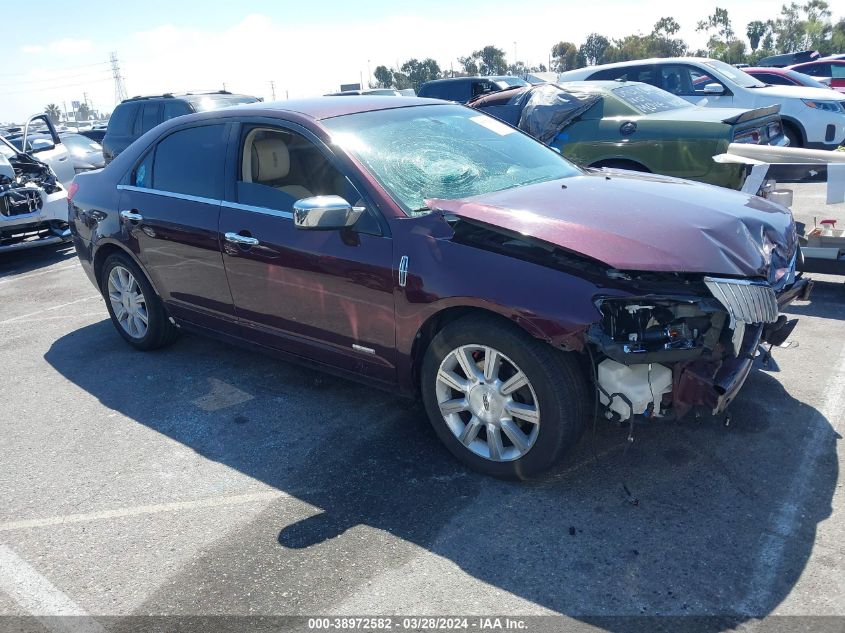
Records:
x=33, y=203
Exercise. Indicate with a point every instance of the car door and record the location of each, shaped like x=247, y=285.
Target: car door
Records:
x=54, y=153
x=694, y=84
x=170, y=211
x=322, y=294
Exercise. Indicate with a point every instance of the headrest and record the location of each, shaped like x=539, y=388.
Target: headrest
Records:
x=270, y=160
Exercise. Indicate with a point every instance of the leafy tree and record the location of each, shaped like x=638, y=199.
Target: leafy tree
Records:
x=666, y=27
x=565, y=57
x=837, y=36
x=418, y=72
x=83, y=113
x=491, y=60
x=401, y=81
x=719, y=23
x=594, y=48
x=53, y=112
x=383, y=76
x=469, y=64
x=788, y=29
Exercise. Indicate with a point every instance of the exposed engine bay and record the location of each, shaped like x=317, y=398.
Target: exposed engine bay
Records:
x=33, y=208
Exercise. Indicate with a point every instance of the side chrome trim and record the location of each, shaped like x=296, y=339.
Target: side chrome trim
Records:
x=264, y=210
x=225, y=203
x=403, y=271
x=170, y=194
x=361, y=348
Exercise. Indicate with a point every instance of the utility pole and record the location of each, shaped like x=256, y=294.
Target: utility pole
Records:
x=119, y=87
x=369, y=74
x=514, y=54
x=273, y=89
x=224, y=86
x=286, y=95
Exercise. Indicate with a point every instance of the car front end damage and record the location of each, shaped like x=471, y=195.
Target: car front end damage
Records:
x=663, y=354
x=689, y=279
x=33, y=204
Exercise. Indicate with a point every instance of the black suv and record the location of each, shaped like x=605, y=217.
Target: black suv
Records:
x=133, y=117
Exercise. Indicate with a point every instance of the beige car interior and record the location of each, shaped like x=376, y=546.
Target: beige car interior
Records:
x=291, y=164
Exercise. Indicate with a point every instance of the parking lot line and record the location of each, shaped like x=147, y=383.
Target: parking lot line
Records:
x=50, y=271
x=785, y=520
x=58, y=307
x=40, y=598
x=140, y=510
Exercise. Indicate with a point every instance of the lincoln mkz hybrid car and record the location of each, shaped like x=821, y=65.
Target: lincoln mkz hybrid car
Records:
x=436, y=251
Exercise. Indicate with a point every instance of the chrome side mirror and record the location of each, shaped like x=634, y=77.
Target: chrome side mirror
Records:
x=325, y=213
x=714, y=89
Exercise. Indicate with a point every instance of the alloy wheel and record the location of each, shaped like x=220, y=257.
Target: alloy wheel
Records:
x=128, y=302
x=488, y=402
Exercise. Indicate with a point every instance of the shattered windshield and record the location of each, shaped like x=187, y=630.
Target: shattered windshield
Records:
x=444, y=151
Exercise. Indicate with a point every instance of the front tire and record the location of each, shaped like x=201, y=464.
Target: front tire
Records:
x=136, y=311
x=503, y=402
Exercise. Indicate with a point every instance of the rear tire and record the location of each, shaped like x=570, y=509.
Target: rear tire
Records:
x=136, y=311
x=487, y=423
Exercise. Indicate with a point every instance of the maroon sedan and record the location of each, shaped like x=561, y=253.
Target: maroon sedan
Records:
x=828, y=70
x=426, y=247
x=783, y=77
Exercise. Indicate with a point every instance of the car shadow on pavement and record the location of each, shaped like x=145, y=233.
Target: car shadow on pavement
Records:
x=18, y=262
x=827, y=301
x=692, y=518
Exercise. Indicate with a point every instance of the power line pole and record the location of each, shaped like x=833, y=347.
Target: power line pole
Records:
x=273, y=89
x=119, y=87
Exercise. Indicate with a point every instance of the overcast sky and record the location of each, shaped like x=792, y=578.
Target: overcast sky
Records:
x=306, y=48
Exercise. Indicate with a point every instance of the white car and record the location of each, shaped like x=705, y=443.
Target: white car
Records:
x=33, y=203
x=812, y=117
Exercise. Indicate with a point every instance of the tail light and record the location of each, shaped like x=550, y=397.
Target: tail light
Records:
x=71, y=191
x=751, y=136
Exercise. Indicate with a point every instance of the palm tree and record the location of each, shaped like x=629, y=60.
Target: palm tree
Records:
x=53, y=112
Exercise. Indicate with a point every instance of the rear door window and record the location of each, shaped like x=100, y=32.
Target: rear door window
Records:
x=816, y=70
x=191, y=161
x=123, y=119
x=148, y=118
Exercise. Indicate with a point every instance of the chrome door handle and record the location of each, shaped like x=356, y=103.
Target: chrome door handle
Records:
x=131, y=216
x=242, y=240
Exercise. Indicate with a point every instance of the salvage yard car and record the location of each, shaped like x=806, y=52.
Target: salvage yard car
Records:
x=631, y=125
x=33, y=203
x=813, y=117
x=431, y=249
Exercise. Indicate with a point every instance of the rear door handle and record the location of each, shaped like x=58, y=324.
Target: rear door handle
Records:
x=131, y=216
x=241, y=240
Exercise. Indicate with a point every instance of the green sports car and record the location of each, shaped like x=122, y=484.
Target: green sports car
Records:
x=632, y=125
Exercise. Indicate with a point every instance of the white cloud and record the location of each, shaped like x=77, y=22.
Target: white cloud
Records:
x=30, y=49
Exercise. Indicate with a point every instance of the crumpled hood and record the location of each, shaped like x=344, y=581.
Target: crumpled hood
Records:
x=642, y=222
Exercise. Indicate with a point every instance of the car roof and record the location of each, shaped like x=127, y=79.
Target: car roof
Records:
x=327, y=107
x=446, y=80
x=651, y=60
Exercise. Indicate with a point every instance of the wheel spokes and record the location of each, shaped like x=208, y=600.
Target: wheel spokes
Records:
x=494, y=442
x=467, y=363
x=519, y=439
x=453, y=380
x=492, y=363
x=514, y=383
x=527, y=412
x=470, y=431
x=454, y=406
